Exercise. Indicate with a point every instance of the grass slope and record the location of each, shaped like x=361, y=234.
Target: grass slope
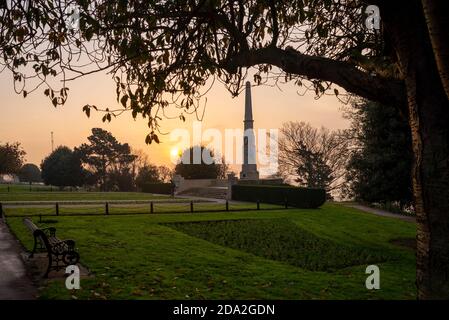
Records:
x=140, y=257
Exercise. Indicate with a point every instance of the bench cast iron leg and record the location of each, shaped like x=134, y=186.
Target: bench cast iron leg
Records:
x=50, y=261
x=34, y=247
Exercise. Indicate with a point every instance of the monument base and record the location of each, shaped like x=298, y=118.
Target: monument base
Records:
x=249, y=175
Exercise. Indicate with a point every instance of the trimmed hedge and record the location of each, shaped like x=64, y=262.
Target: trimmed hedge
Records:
x=160, y=188
x=296, y=197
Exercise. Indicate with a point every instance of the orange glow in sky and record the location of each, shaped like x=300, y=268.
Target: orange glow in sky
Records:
x=30, y=120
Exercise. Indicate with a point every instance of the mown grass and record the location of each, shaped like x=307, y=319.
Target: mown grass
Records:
x=141, y=257
x=77, y=196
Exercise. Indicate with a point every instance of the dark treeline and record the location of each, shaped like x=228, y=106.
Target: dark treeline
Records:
x=370, y=162
x=103, y=163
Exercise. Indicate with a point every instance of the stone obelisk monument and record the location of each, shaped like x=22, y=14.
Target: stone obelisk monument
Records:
x=249, y=166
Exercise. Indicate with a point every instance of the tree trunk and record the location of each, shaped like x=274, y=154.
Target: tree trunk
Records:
x=437, y=20
x=429, y=122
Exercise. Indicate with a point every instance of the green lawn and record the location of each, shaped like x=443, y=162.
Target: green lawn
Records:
x=75, y=196
x=283, y=254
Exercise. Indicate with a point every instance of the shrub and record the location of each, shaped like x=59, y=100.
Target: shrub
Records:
x=295, y=196
x=160, y=188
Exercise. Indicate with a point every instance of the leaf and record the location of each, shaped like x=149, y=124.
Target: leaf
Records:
x=336, y=92
x=257, y=79
x=123, y=100
x=148, y=139
x=25, y=93
x=89, y=33
x=47, y=92
x=54, y=101
x=86, y=109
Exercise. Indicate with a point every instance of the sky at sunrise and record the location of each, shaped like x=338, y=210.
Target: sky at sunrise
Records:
x=30, y=120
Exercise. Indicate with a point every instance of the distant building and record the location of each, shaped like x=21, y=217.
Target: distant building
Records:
x=9, y=178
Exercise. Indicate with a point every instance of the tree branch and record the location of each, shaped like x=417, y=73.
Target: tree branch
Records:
x=344, y=74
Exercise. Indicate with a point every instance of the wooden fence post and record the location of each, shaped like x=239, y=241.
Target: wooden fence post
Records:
x=227, y=205
x=191, y=206
x=106, y=207
x=151, y=207
x=57, y=209
x=258, y=205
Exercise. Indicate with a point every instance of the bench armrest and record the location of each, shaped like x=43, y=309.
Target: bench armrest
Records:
x=70, y=244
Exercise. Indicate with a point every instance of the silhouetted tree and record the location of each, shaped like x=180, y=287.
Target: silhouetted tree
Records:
x=381, y=156
x=109, y=160
x=30, y=173
x=147, y=174
x=62, y=168
x=165, y=173
x=314, y=158
x=199, y=163
x=11, y=158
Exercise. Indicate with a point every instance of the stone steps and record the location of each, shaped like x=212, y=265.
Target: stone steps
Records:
x=209, y=192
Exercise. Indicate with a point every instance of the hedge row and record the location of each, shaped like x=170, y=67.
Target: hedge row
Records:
x=160, y=188
x=294, y=196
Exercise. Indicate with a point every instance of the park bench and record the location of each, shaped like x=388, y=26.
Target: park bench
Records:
x=61, y=253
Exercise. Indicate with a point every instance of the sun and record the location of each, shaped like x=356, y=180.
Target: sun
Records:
x=174, y=152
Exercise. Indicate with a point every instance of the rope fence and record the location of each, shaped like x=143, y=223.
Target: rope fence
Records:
x=110, y=208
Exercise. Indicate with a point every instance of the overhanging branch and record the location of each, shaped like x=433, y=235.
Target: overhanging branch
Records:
x=346, y=75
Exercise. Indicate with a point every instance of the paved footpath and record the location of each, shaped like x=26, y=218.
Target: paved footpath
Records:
x=14, y=281
x=381, y=212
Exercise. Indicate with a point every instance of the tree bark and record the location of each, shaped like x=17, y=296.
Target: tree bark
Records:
x=429, y=121
x=437, y=19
